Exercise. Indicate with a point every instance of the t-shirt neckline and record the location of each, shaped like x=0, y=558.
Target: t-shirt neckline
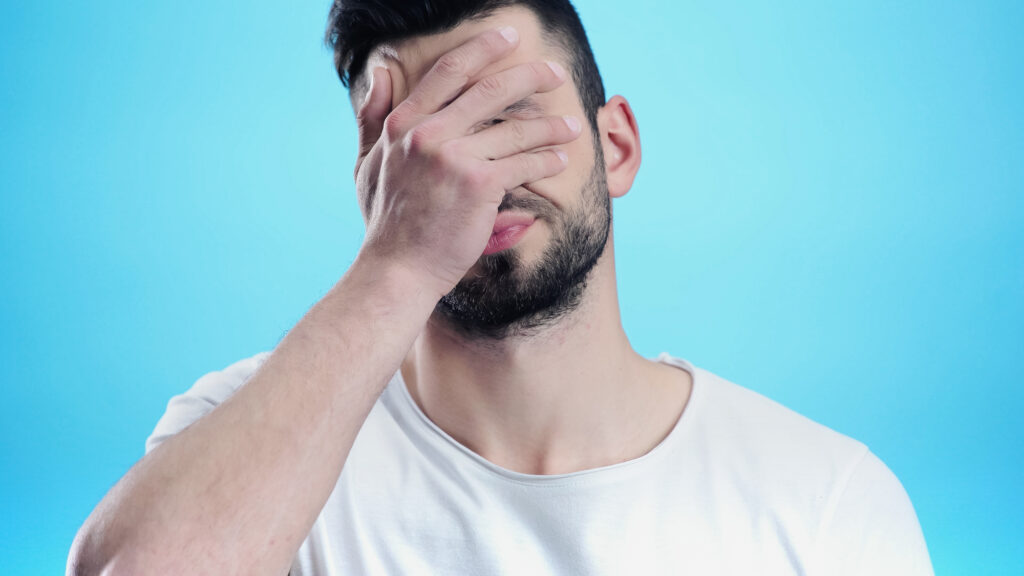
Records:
x=428, y=428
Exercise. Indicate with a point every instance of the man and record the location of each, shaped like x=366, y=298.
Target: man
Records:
x=464, y=400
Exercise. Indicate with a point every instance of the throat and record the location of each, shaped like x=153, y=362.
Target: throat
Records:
x=553, y=421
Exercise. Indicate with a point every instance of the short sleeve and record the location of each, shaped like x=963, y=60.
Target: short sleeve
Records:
x=872, y=529
x=205, y=395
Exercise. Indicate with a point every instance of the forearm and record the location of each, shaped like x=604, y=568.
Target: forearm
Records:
x=238, y=491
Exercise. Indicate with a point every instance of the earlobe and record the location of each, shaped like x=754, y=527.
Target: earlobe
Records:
x=620, y=143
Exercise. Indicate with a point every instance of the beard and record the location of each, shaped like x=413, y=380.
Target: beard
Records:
x=505, y=297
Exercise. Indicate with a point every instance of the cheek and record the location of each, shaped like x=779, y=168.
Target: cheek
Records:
x=581, y=163
x=581, y=154
x=565, y=189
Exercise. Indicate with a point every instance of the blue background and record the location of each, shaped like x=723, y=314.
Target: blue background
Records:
x=830, y=211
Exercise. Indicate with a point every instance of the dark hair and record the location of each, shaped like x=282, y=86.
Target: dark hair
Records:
x=356, y=27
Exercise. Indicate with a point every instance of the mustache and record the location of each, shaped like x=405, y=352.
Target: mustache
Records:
x=542, y=208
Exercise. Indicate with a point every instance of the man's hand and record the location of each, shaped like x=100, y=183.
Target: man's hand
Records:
x=429, y=185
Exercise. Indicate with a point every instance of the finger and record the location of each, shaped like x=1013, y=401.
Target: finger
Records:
x=515, y=136
x=452, y=71
x=527, y=167
x=490, y=96
x=375, y=108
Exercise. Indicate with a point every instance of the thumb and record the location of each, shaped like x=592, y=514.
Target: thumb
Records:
x=375, y=108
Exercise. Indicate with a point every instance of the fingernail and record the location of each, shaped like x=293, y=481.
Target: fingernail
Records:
x=556, y=68
x=565, y=157
x=572, y=123
x=509, y=33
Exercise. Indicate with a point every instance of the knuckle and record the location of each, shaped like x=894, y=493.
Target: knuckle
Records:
x=477, y=178
x=449, y=155
x=393, y=126
x=420, y=139
x=516, y=132
x=491, y=88
x=452, y=65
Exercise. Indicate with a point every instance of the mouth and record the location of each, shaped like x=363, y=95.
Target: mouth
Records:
x=509, y=228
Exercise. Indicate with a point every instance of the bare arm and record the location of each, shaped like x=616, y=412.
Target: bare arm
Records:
x=238, y=491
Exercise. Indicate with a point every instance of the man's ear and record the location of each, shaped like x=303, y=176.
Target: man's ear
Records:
x=620, y=142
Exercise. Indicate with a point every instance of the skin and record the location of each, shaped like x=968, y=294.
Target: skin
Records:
x=575, y=395
x=237, y=491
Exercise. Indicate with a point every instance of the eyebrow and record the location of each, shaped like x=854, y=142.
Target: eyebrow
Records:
x=526, y=105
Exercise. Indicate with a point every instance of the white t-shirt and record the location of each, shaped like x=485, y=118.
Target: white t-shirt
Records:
x=740, y=486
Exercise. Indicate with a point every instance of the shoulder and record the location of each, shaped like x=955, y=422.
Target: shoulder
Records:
x=782, y=464
x=769, y=433
x=845, y=500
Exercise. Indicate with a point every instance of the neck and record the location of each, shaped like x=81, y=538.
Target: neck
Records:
x=570, y=397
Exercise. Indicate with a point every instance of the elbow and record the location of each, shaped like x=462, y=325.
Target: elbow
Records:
x=90, y=557
x=82, y=560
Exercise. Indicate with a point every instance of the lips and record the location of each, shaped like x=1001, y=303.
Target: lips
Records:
x=509, y=228
x=508, y=219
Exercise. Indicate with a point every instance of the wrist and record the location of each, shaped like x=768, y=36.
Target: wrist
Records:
x=392, y=283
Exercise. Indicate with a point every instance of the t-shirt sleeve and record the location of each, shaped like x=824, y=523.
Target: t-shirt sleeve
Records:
x=205, y=394
x=872, y=529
